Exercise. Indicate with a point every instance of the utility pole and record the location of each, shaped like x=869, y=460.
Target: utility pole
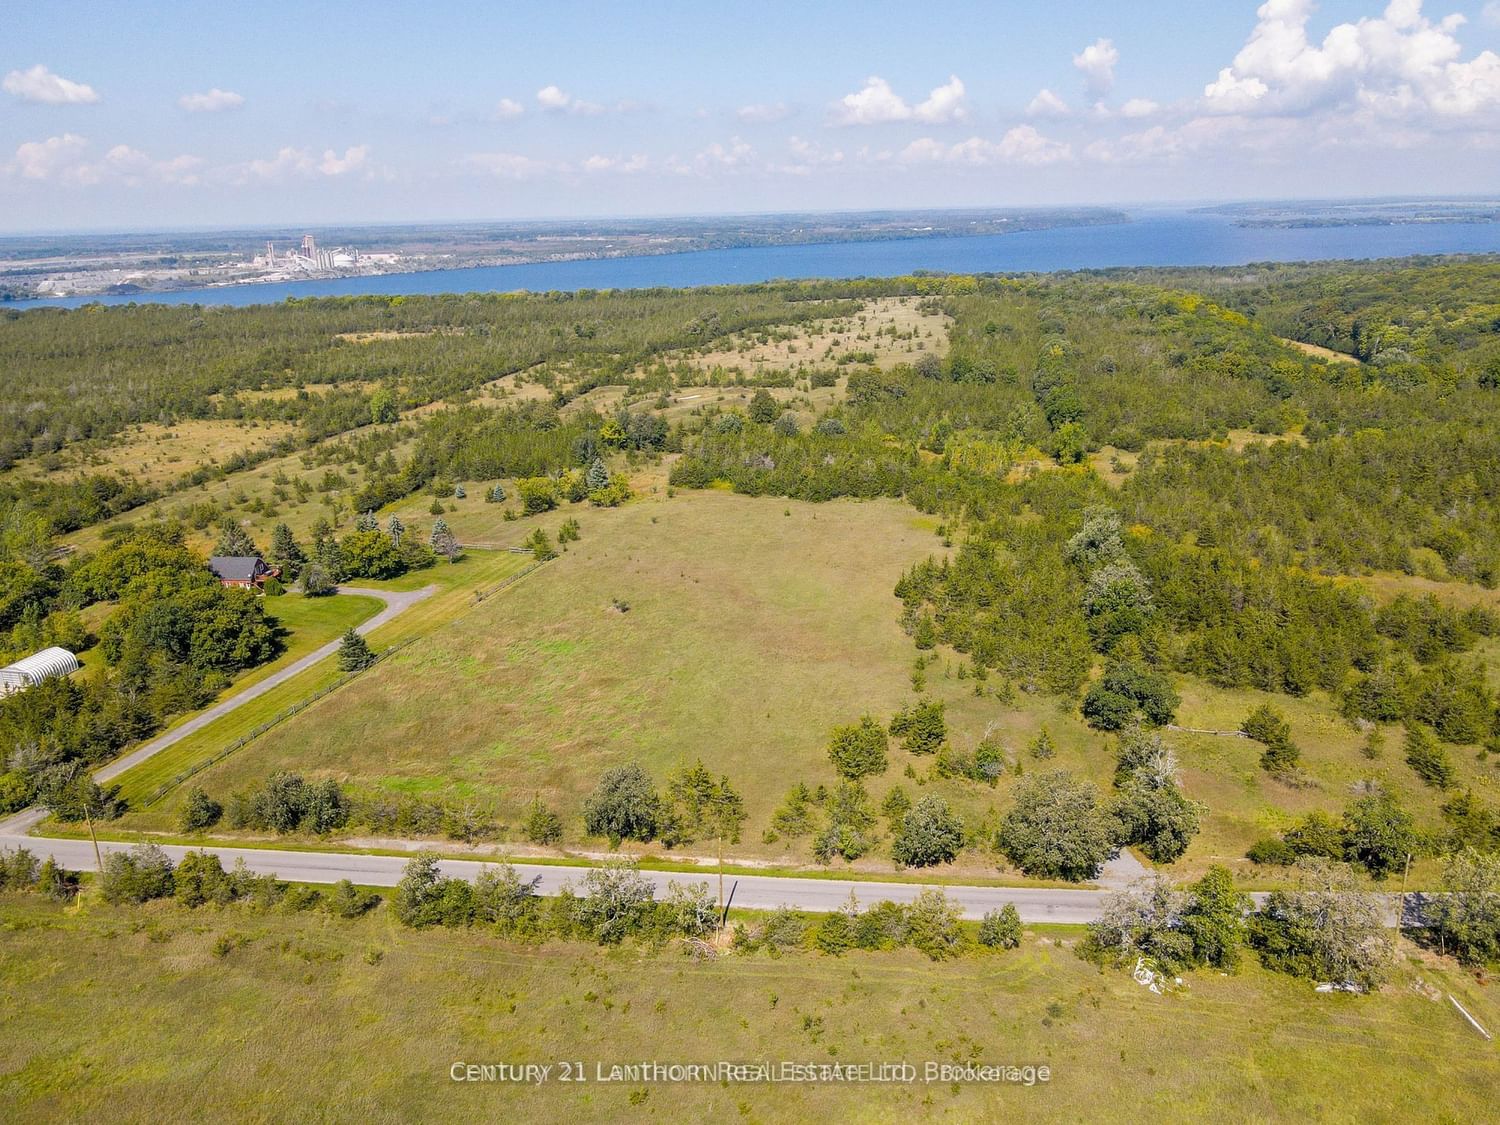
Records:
x=1401, y=906
x=721, y=875
x=88, y=816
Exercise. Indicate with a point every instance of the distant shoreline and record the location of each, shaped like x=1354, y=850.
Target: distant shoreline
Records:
x=1149, y=240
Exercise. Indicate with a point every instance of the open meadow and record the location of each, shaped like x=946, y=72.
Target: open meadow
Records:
x=267, y=1017
x=753, y=627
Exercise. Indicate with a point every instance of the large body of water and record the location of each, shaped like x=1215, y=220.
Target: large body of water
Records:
x=1152, y=238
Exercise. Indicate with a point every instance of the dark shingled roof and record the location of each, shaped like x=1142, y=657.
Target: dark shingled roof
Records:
x=235, y=568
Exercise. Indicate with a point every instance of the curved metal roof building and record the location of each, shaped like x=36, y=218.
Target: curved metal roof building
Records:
x=38, y=667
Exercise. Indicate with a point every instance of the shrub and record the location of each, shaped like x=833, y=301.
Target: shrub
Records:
x=835, y=933
x=1001, y=929
x=616, y=901
x=346, y=900
x=425, y=897
x=859, y=750
x=1267, y=726
x=540, y=546
x=19, y=870
x=623, y=806
x=933, y=926
x=537, y=494
x=200, y=878
x=199, y=811
x=139, y=875
x=930, y=834
x=1316, y=834
x=542, y=825
x=1273, y=851
x=287, y=803
x=1328, y=929
x=921, y=727
x=1427, y=758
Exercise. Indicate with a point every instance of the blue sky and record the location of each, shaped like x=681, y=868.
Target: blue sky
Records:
x=152, y=115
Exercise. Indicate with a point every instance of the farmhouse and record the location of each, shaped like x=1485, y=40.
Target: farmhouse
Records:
x=248, y=571
x=37, y=667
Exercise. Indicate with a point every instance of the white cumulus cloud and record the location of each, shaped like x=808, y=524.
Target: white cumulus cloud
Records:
x=44, y=160
x=1047, y=104
x=625, y=165
x=1399, y=63
x=353, y=160
x=1021, y=145
x=40, y=85
x=211, y=101
x=1097, y=61
x=67, y=160
x=554, y=99
x=877, y=104
x=508, y=108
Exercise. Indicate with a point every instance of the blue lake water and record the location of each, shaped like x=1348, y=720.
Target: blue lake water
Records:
x=1152, y=238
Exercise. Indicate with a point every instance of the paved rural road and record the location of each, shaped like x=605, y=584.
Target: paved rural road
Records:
x=395, y=603
x=763, y=892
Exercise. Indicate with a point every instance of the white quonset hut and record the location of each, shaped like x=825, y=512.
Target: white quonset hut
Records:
x=37, y=667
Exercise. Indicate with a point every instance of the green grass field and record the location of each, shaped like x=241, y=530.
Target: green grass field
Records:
x=754, y=627
x=750, y=632
x=456, y=584
x=129, y=1014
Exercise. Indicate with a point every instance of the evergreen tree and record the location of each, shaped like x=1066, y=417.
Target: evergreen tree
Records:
x=354, y=653
x=395, y=529
x=443, y=541
x=1427, y=758
x=763, y=408
x=598, y=475
x=286, y=552
x=366, y=521
x=234, y=541
x=859, y=749
x=1042, y=747
x=383, y=406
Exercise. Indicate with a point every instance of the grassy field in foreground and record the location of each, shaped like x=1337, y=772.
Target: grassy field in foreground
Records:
x=755, y=625
x=456, y=585
x=128, y=1014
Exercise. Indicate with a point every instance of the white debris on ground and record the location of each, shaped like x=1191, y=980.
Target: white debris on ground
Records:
x=1149, y=976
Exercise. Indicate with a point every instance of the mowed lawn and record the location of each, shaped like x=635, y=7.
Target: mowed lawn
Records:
x=130, y=1014
x=753, y=626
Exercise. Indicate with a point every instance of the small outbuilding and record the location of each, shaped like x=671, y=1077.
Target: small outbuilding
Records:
x=37, y=667
x=249, y=571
